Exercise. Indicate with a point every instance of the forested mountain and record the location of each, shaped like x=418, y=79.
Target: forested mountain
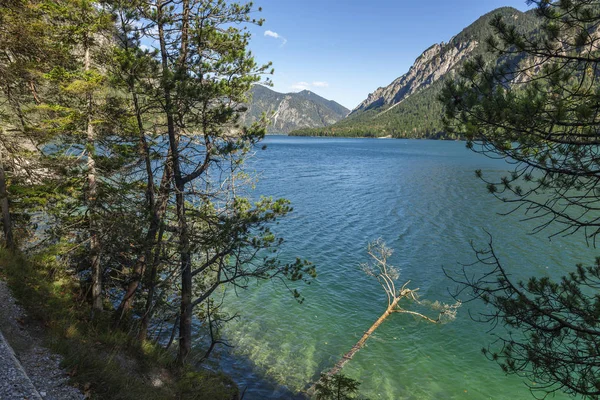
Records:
x=291, y=111
x=408, y=107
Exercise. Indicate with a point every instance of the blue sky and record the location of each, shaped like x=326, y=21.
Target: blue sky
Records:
x=345, y=49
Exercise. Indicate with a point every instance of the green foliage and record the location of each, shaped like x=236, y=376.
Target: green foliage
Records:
x=545, y=120
x=541, y=114
x=124, y=168
x=105, y=363
x=134, y=158
x=337, y=387
x=201, y=385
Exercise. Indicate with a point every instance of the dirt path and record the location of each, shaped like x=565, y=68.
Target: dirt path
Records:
x=32, y=372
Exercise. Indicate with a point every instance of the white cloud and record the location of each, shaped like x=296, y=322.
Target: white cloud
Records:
x=306, y=86
x=276, y=36
x=301, y=86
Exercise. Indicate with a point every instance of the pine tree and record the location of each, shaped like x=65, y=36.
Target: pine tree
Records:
x=26, y=53
x=205, y=72
x=540, y=112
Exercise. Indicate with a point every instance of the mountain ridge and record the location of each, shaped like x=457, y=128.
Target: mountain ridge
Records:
x=408, y=106
x=291, y=111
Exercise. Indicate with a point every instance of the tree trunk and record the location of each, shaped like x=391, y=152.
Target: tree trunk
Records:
x=6, y=220
x=150, y=239
x=4, y=201
x=146, y=318
x=392, y=307
x=348, y=356
x=153, y=253
x=173, y=330
x=164, y=190
x=185, y=323
x=127, y=301
x=92, y=194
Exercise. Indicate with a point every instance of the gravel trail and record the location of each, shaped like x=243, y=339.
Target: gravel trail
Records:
x=31, y=371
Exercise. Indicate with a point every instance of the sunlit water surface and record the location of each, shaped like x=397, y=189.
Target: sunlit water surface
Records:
x=423, y=199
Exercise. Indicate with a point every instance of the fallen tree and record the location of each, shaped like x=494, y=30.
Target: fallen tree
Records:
x=387, y=275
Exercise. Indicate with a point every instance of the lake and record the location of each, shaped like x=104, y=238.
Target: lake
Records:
x=424, y=200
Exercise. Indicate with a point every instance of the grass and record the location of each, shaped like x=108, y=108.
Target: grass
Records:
x=103, y=362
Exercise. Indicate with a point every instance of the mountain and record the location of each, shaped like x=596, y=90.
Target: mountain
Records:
x=432, y=65
x=291, y=111
x=408, y=107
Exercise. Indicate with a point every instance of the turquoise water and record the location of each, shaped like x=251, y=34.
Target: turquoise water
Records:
x=423, y=199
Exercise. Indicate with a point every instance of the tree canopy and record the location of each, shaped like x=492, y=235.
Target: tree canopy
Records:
x=539, y=110
x=120, y=130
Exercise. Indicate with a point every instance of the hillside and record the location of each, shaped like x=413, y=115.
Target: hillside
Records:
x=408, y=107
x=292, y=111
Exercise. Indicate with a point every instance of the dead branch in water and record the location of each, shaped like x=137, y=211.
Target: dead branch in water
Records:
x=387, y=275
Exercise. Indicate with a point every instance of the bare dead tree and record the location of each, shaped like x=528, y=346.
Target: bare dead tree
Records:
x=387, y=275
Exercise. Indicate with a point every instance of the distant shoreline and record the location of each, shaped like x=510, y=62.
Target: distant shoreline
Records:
x=368, y=137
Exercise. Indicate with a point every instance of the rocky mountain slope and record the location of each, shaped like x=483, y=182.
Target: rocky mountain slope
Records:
x=291, y=111
x=408, y=107
x=432, y=65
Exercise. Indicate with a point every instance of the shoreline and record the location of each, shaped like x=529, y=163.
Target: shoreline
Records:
x=367, y=137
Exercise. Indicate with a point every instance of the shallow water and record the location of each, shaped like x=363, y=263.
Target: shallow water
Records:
x=423, y=199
